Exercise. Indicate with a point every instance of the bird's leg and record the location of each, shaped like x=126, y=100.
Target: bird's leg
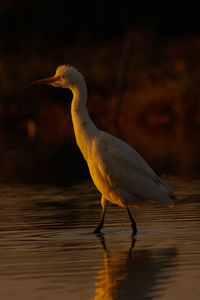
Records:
x=104, y=204
x=133, y=223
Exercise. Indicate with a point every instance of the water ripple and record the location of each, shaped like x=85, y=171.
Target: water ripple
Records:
x=48, y=250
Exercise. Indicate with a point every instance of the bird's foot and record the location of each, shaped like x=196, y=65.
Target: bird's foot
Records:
x=98, y=229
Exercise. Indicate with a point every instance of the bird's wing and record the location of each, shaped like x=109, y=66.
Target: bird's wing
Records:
x=125, y=168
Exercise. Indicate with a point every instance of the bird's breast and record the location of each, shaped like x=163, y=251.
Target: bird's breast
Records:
x=104, y=184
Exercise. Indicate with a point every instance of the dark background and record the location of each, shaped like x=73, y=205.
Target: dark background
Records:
x=141, y=63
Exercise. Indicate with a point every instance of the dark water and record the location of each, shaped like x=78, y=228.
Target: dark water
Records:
x=47, y=250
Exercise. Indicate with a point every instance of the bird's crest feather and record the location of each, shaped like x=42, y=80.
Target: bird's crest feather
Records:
x=62, y=69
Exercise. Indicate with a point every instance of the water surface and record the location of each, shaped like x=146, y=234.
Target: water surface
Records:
x=48, y=251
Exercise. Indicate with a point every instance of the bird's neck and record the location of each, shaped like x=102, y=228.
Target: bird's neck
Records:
x=84, y=128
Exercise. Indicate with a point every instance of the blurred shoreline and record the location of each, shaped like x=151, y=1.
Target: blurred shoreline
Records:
x=41, y=148
x=141, y=88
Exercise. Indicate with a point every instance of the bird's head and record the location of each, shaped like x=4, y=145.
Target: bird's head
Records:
x=65, y=77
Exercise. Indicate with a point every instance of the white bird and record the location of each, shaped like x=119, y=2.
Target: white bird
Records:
x=120, y=174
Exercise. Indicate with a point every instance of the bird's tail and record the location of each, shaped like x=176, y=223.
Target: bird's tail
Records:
x=167, y=195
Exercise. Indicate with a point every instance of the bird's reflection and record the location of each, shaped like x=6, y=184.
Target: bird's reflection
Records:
x=133, y=274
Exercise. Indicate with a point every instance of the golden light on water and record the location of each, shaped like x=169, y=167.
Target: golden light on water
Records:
x=110, y=275
x=122, y=270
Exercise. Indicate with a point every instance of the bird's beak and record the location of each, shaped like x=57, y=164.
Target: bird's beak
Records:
x=48, y=80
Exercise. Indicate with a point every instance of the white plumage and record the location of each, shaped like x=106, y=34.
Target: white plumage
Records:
x=125, y=174
x=120, y=174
